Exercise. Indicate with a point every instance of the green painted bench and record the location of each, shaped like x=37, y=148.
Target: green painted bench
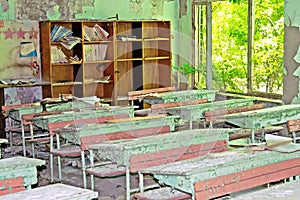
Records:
x=17, y=173
x=183, y=95
x=73, y=133
x=111, y=170
x=139, y=153
x=196, y=112
x=258, y=119
x=214, y=115
x=228, y=172
x=141, y=94
x=71, y=150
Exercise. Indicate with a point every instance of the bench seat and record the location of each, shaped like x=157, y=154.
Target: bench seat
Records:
x=110, y=170
x=165, y=193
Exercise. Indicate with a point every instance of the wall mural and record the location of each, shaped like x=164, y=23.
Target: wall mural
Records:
x=292, y=19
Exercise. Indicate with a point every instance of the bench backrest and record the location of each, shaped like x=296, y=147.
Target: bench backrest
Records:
x=213, y=115
x=293, y=125
x=134, y=95
x=96, y=139
x=142, y=161
x=97, y=120
x=176, y=146
x=132, y=119
x=161, y=106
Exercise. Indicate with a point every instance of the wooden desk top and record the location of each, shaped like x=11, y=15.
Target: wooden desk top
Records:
x=56, y=191
x=19, y=161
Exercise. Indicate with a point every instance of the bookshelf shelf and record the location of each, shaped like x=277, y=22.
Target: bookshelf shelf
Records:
x=133, y=54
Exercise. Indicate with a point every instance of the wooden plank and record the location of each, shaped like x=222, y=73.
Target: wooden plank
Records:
x=43, y=121
x=246, y=179
x=134, y=95
x=293, y=125
x=120, y=151
x=142, y=161
x=135, y=119
x=56, y=126
x=159, y=107
x=182, y=174
x=11, y=185
x=74, y=133
x=194, y=112
x=265, y=117
x=214, y=114
x=129, y=134
x=186, y=95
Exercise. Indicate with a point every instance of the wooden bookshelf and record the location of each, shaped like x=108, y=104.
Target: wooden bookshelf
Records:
x=113, y=57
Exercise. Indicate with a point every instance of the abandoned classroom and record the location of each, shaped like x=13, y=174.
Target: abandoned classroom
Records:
x=149, y=99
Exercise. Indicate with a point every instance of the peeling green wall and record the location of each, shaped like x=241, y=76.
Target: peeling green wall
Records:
x=22, y=12
x=291, y=82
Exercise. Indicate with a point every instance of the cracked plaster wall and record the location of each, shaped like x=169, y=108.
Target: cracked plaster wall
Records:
x=291, y=82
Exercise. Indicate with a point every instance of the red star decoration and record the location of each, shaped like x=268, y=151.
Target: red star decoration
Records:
x=33, y=34
x=20, y=34
x=8, y=34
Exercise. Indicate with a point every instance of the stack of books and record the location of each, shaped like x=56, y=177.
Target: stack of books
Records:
x=58, y=32
x=95, y=33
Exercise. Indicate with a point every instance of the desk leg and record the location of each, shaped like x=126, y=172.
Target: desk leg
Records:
x=84, y=172
x=127, y=183
x=141, y=182
x=263, y=134
x=2, y=119
x=252, y=135
x=23, y=138
x=51, y=159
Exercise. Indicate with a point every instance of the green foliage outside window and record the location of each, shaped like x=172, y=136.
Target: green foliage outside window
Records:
x=230, y=39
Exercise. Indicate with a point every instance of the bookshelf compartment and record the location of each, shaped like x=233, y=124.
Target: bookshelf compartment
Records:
x=155, y=29
x=154, y=72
